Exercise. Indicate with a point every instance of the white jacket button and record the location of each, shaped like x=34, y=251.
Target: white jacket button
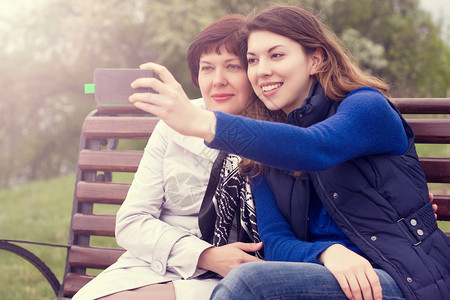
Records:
x=157, y=266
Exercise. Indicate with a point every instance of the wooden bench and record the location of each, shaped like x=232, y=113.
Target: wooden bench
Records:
x=104, y=153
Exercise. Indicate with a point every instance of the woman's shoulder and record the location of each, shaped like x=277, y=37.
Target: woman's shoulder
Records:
x=366, y=97
x=366, y=91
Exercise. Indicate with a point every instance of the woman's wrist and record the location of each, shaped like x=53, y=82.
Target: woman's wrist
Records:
x=204, y=258
x=322, y=256
x=209, y=127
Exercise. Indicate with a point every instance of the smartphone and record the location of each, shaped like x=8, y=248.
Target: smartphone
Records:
x=112, y=86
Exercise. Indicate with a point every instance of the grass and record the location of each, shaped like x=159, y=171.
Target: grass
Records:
x=39, y=211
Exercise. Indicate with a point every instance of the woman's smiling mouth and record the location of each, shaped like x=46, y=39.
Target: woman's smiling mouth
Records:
x=270, y=88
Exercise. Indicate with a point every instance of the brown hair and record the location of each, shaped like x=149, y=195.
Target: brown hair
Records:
x=337, y=74
x=227, y=32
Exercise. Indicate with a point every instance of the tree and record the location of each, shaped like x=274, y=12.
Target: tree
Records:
x=412, y=46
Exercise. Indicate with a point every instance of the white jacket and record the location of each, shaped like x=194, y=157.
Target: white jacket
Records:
x=158, y=222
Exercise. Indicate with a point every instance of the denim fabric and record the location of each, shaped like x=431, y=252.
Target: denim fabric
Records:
x=289, y=280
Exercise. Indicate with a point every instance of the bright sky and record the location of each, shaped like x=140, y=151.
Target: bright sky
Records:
x=440, y=10
x=11, y=7
x=437, y=7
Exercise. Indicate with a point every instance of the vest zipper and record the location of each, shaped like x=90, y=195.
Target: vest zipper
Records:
x=357, y=232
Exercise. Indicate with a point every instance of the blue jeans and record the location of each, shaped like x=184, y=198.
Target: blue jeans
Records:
x=289, y=280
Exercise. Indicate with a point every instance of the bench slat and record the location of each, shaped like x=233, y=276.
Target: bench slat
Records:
x=123, y=127
x=443, y=202
x=73, y=282
x=423, y=105
x=109, y=160
x=87, y=224
x=436, y=131
x=405, y=105
x=93, y=257
x=437, y=169
x=101, y=192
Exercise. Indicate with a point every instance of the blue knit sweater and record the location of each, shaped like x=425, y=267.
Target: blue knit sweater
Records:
x=364, y=124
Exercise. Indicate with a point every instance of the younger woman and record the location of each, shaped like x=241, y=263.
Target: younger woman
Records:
x=343, y=172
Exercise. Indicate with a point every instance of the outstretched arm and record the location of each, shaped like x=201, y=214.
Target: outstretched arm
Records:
x=364, y=124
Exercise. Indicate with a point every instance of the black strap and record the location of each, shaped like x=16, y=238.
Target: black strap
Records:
x=207, y=214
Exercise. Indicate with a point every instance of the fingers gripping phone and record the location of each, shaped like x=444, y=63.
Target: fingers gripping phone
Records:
x=112, y=86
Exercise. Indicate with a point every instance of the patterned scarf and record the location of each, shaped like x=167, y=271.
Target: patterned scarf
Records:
x=227, y=194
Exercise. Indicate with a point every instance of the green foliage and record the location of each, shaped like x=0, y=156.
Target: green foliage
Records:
x=370, y=56
x=418, y=59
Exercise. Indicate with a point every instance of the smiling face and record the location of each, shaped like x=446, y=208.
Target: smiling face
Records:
x=279, y=70
x=223, y=82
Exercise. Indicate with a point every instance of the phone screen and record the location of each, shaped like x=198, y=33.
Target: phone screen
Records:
x=112, y=86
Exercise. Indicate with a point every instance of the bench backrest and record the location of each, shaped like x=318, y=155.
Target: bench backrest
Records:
x=105, y=154
x=430, y=120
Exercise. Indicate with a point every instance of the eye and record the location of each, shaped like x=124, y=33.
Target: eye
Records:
x=233, y=67
x=206, y=68
x=277, y=55
x=251, y=60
